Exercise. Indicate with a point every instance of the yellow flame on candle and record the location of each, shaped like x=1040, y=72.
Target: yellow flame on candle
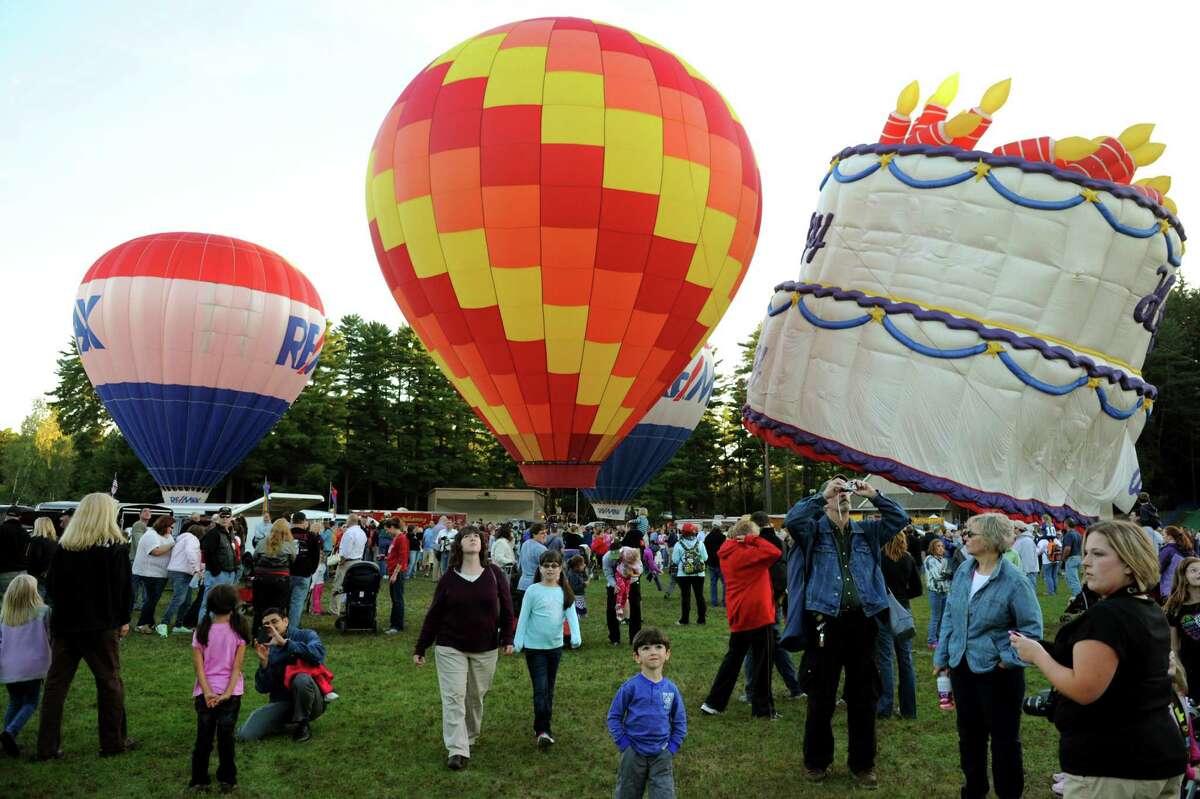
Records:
x=908, y=98
x=962, y=124
x=1160, y=183
x=1073, y=148
x=1169, y=204
x=995, y=97
x=947, y=90
x=1148, y=153
x=1135, y=136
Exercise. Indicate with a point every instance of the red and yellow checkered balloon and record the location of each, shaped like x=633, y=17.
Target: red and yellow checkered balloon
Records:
x=563, y=211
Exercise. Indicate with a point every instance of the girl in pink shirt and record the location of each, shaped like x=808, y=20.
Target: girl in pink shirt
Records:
x=218, y=647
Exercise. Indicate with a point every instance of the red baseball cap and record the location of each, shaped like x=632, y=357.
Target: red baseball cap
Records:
x=688, y=527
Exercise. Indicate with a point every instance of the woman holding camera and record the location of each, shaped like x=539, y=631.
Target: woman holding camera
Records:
x=1108, y=668
x=988, y=598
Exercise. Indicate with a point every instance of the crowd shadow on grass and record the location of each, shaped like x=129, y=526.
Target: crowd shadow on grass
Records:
x=383, y=738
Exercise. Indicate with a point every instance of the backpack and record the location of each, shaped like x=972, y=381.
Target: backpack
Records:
x=1053, y=550
x=692, y=561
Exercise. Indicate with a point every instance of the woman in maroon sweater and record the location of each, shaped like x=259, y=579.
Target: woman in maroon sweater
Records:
x=469, y=621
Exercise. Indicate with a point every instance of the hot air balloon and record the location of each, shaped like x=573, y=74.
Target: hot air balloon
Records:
x=196, y=345
x=656, y=439
x=563, y=211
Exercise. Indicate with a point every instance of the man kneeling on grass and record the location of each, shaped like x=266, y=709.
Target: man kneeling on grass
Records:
x=291, y=672
x=647, y=721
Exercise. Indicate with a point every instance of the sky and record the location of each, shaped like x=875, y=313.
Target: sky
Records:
x=255, y=120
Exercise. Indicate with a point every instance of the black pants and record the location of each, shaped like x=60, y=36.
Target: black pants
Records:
x=687, y=587
x=270, y=591
x=221, y=722
x=154, y=588
x=989, y=705
x=635, y=612
x=759, y=643
x=101, y=651
x=396, y=622
x=543, y=672
x=850, y=647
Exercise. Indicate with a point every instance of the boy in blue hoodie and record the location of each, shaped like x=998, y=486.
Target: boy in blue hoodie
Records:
x=647, y=722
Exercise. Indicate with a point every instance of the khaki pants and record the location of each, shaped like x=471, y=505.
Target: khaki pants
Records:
x=1114, y=788
x=464, y=679
x=339, y=601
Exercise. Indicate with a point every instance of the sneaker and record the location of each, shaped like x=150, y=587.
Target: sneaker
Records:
x=145, y=629
x=867, y=779
x=161, y=629
x=9, y=744
x=456, y=762
x=544, y=742
x=302, y=733
x=182, y=630
x=1059, y=788
x=391, y=631
x=332, y=696
x=816, y=774
x=709, y=711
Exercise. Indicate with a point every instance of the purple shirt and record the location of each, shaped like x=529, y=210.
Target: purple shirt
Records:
x=223, y=643
x=25, y=650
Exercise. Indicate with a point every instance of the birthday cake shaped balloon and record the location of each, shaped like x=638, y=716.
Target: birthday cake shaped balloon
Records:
x=974, y=324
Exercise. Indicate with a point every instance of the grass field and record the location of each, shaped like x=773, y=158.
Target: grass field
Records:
x=383, y=738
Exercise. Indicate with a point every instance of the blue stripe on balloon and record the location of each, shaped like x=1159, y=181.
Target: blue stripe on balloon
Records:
x=190, y=436
x=643, y=453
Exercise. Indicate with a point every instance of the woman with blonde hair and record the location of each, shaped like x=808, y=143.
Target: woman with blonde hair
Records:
x=272, y=581
x=88, y=585
x=1109, y=671
x=41, y=551
x=24, y=655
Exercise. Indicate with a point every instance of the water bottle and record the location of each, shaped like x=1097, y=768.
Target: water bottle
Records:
x=945, y=695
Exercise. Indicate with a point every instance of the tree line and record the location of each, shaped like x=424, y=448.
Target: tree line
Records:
x=381, y=423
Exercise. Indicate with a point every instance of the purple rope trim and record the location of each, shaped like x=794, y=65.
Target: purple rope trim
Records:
x=912, y=478
x=1016, y=341
x=1044, y=167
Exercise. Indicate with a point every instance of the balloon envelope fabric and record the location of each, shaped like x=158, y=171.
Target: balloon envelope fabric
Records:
x=563, y=211
x=196, y=345
x=656, y=439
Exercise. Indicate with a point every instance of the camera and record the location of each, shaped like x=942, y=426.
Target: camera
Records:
x=1043, y=704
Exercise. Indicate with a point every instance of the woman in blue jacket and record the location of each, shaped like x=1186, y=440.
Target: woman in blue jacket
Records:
x=988, y=598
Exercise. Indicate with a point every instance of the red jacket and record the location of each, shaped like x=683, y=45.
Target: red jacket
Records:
x=746, y=566
x=397, y=554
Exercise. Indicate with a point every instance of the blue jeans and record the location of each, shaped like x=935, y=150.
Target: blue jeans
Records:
x=211, y=580
x=296, y=600
x=937, y=608
x=1032, y=580
x=153, y=586
x=888, y=653
x=181, y=594
x=445, y=556
x=1050, y=577
x=1073, y=584
x=543, y=670
x=714, y=577
x=396, y=589
x=414, y=558
x=22, y=701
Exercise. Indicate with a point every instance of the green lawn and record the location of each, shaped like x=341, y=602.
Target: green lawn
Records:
x=383, y=738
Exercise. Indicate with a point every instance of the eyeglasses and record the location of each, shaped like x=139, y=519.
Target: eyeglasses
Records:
x=551, y=565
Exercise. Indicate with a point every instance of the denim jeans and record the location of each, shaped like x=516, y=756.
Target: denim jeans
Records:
x=22, y=702
x=396, y=589
x=543, y=670
x=714, y=577
x=1073, y=584
x=296, y=600
x=181, y=595
x=211, y=580
x=1050, y=577
x=937, y=606
x=888, y=654
x=1032, y=580
x=154, y=587
x=414, y=558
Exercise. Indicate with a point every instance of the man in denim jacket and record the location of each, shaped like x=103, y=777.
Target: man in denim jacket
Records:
x=843, y=594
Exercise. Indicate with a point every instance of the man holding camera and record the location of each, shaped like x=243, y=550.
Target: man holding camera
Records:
x=842, y=594
x=297, y=700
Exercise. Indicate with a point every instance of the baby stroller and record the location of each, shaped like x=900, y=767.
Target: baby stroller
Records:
x=360, y=589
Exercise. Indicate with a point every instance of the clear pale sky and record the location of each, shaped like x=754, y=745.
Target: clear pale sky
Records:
x=254, y=120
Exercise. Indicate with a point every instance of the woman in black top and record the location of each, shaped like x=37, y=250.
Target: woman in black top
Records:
x=902, y=578
x=40, y=552
x=1108, y=668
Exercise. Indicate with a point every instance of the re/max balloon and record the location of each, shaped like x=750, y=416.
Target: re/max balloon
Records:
x=656, y=439
x=196, y=345
x=563, y=211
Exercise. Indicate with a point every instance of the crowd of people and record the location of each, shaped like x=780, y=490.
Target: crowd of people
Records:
x=839, y=587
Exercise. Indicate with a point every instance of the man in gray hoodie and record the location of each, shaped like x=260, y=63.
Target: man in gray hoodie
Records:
x=1026, y=549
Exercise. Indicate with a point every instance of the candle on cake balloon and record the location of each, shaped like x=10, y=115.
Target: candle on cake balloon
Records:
x=935, y=111
x=896, y=128
x=1116, y=159
x=993, y=100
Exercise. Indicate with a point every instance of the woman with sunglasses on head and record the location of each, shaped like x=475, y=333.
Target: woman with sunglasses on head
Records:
x=1108, y=668
x=989, y=596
